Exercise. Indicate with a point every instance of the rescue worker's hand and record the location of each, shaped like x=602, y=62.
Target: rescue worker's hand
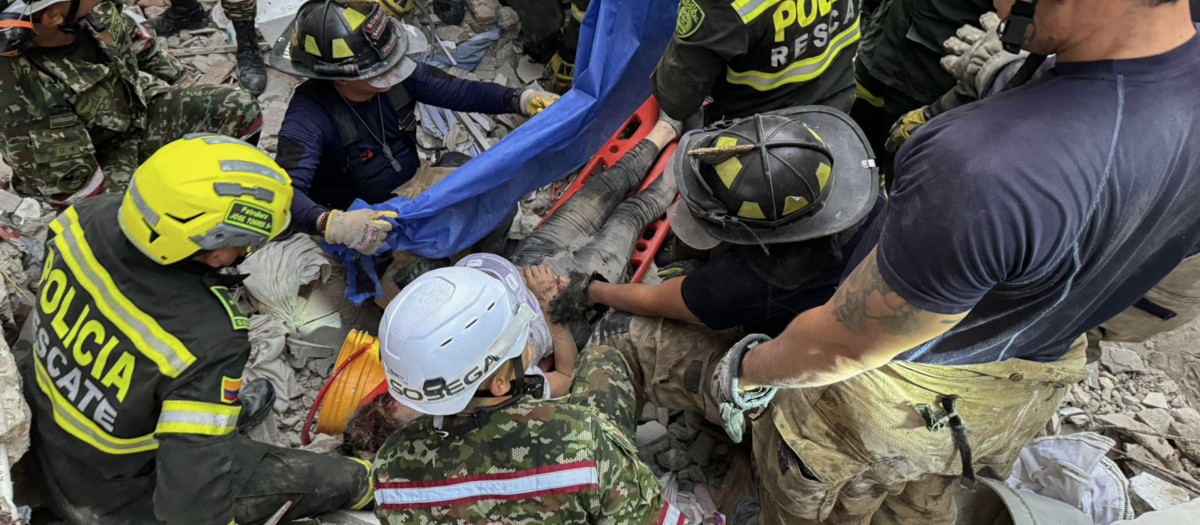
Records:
x=905, y=127
x=533, y=101
x=362, y=230
x=976, y=55
x=731, y=400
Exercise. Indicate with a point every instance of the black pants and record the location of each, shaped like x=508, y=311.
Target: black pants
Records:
x=264, y=478
x=595, y=230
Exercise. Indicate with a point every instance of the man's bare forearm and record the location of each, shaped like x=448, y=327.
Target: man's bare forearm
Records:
x=649, y=300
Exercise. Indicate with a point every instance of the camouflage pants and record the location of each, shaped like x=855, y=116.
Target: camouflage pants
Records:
x=174, y=112
x=604, y=381
x=856, y=451
x=239, y=10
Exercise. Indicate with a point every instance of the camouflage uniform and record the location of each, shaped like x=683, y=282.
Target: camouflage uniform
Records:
x=240, y=10
x=855, y=451
x=64, y=116
x=566, y=460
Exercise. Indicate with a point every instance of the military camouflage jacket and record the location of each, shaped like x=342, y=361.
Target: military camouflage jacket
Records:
x=63, y=116
x=553, y=461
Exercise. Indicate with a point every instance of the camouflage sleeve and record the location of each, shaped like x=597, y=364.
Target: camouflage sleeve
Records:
x=48, y=160
x=604, y=382
x=708, y=35
x=152, y=54
x=629, y=493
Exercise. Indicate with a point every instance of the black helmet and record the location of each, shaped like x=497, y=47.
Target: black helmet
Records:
x=784, y=176
x=331, y=41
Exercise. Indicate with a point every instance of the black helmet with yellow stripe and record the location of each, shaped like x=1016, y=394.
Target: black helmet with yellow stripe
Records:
x=331, y=41
x=784, y=176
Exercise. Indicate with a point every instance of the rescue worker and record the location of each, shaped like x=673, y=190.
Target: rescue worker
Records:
x=86, y=95
x=777, y=200
x=753, y=56
x=133, y=359
x=897, y=69
x=1016, y=224
x=189, y=14
x=348, y=131
x=482, y=448
x=560, y=69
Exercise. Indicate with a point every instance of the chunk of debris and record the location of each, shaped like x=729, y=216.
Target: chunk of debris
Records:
x=1156, y=400
x=484, y=14
x=1151, y=493
x=456, y=34
x=1118, y=359
x=508, y=19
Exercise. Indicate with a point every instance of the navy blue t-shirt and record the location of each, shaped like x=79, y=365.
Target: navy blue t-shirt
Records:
x=311, y=151
x=1048, y=209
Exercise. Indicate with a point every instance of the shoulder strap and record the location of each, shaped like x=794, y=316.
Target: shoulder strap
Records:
x=346, y=123
x=405, y=107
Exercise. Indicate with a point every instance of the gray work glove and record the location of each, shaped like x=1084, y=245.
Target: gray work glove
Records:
x=732, y=402
x=362, y=230
x=976, y=55
x=910, y=122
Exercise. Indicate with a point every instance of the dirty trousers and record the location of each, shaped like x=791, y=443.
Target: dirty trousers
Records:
x=175, y=112
x=857, y=451
x=596, y=229
x=264, y=478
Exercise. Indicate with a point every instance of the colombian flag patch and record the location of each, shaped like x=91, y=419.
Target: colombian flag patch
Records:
x=230, y=388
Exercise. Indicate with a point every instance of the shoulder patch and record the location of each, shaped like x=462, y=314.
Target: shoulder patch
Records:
x=230, y=388
x=232, y=301
x=691, y=15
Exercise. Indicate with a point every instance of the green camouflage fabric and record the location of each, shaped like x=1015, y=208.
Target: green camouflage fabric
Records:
x=239, y=10
x=420, y=475
x=63, y=116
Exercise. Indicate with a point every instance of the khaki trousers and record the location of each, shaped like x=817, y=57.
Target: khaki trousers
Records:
x=858, y=451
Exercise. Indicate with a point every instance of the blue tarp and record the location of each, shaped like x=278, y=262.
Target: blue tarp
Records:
x=619, y=45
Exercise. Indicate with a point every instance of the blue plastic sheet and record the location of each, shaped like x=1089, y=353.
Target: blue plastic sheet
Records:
x=619, y=45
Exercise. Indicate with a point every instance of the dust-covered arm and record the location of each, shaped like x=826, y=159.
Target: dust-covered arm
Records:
x=864, y=326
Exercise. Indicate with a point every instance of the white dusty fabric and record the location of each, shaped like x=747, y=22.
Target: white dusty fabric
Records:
x=1074, y=469
x=267, y=340
x=14, y=412
x=277, y=272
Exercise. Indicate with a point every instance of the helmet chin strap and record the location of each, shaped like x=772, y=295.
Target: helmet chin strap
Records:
x=1016, y=24
x=72, y=22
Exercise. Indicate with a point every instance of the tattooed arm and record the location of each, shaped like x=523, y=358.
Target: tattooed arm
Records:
x=864, y=326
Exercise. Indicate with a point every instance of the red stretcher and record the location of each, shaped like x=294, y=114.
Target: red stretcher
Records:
x=634, y=130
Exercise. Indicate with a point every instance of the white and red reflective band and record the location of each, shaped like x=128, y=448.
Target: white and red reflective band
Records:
x=522, y=484
x=671, y=515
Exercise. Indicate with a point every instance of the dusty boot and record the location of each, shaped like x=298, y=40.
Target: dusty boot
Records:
x=257, y=397
x=559, y=74
x=183, y=14
x=450, y=11
x=252, y=73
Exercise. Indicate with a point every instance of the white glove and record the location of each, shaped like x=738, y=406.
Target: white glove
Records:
x=976, y=55
x=363, y=230
x=534, y=101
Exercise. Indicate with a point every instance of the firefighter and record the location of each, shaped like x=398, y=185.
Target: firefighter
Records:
x=753, y=56
x=132, y=362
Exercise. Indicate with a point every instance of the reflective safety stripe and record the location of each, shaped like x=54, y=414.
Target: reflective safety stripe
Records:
x=143, y=331
x=871, y=98
x=369, y=495
x=750, y=9
x=197, y=417
x=669, y=515
x=70, y=419
x=576, y=13
x=530, y=483
x=801, y=71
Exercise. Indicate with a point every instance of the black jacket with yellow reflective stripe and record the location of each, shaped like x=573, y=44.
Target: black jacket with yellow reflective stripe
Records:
x=752, y=56
x=132, y=373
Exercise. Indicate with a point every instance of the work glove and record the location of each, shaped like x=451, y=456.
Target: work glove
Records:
x=976, y=55
x=731, y=401
x=533, y=101
x=905, y=127
x=362, y=230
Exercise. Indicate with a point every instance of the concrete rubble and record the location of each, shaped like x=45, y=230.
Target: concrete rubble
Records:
x=1156, y=428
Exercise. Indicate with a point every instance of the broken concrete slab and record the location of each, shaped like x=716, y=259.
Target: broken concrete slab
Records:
x=1118, y=359
x=1150, y=493
x=1156, y=400
x=1177, y=515
x=484, y=14
x=456, y=34
x=648, y=433
x=1143, y=435
x=528, y=71
x=217, y=72
x=9, y=201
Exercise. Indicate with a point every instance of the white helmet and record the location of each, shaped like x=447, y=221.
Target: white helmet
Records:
x=445, y=333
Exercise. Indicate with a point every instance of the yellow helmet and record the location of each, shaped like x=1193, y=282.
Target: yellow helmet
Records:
x=204, y=192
